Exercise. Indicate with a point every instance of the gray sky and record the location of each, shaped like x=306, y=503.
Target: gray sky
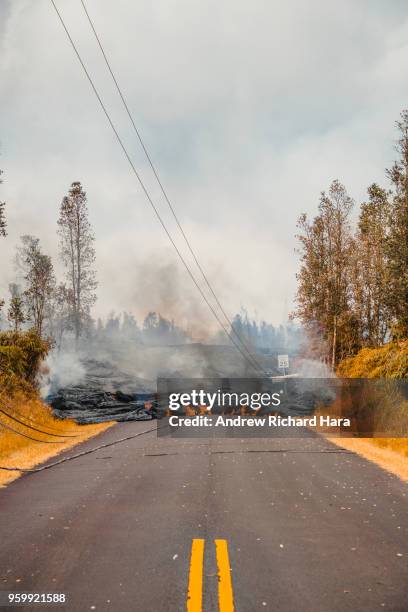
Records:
x=249, y=110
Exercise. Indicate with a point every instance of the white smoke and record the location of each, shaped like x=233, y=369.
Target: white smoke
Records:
x=60, y=369
x=312, y=368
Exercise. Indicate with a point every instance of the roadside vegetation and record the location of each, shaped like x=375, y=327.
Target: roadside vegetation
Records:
x=29, y=433
x=387, y=362
x=352, y=300
x=353, y=282
x=39, y=312
x=17, y=450
x=21, y=354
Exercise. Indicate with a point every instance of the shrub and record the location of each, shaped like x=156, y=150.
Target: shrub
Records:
x=388, y=361
x=20, y=356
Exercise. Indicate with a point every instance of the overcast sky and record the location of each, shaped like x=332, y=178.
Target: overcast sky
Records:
x=249, y=110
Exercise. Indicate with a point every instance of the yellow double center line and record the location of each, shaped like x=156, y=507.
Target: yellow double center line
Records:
x=195, y=583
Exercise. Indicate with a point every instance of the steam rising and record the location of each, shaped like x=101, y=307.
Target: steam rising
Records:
x=312, y=368
x=60, y=369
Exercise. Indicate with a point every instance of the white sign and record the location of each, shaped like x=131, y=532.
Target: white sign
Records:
x=283, y=361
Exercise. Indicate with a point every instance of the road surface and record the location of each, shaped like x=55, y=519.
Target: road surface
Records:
x=299, y=526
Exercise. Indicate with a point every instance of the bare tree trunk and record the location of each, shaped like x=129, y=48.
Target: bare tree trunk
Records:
x=333, y=363
x=78, y=287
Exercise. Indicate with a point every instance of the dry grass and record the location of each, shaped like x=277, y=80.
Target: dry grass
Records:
x=389, y=453
x=397, y=445
x=16, y=450
x=387, y=362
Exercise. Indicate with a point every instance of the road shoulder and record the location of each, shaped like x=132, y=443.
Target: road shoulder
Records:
x=387, y=459
x=35, y=453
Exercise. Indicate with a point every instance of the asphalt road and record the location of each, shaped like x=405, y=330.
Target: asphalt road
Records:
x=303, y=529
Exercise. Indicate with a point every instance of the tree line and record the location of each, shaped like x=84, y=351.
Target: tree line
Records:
x=353, y=278
x=156, y=329
x=261, y=335
x=57, y=310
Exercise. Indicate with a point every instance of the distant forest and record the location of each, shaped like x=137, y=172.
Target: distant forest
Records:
x=59, y=310
x=157, y=330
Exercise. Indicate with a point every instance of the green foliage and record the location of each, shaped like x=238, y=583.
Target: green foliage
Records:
x=353, y=284
x=39, y=280
x=20, y=355
x=368, y=268
x=397, y=241
x=323, y=296
x=12, y=359
x=16, y=313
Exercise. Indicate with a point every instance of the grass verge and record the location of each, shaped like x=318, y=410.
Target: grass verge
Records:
x=386, y=362
x=35, y=420
x=389, y=453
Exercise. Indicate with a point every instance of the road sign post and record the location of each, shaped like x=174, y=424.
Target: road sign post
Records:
x=283, y=363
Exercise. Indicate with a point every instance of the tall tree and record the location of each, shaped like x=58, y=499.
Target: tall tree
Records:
x=323, y=297
x=16, y=308
x=130, y=329
x=369, y=268
x=3, y=232
x=39, y=280
x=16, y=313
x=3, y=223
x=59, y=314
x=78, y=255
x=397, y=242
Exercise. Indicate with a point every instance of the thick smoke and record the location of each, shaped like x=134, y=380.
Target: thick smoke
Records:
x=162, y=285
x=167, y=332
x=60, y=369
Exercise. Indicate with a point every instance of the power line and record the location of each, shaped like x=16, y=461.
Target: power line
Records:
x=250, y=360
x=26, y=436
x=33, y=422
x=146, y=431
x=81, y=454
x=146, y=192
x=163, y=190
x=47, y=433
